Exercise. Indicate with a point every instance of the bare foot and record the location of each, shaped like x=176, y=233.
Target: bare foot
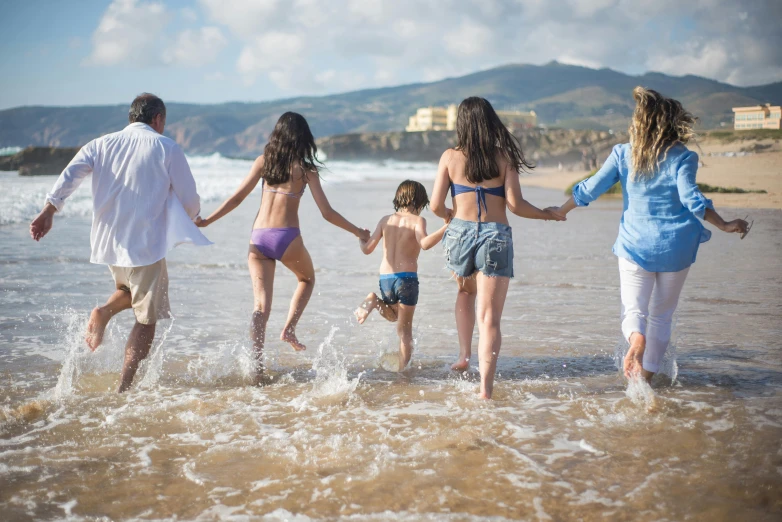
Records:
x=363, y=311
x=96, y=327
x=462, y=365
x=289, y=336
x=633, y=363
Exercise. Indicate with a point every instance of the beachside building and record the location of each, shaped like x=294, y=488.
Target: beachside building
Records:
x=517, y=120
x=757, y=117
x=444, y=118
x=429, y=118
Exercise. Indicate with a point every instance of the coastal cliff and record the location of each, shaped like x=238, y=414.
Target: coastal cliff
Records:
x=563, y=96
x=545, y=147
x=39, y=161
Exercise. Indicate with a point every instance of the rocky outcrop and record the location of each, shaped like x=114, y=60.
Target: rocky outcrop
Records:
x=545, y=147
x=39, y=161
x=403, y=146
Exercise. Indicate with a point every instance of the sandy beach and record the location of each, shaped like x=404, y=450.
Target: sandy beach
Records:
x=754, y=171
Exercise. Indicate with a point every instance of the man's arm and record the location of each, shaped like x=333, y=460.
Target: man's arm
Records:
x=79, y=168
x=183, y=183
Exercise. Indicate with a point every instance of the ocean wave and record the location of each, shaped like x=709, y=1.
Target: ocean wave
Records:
x=217, y=177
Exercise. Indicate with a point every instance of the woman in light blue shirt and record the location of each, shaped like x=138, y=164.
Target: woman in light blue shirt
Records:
x=660, y=229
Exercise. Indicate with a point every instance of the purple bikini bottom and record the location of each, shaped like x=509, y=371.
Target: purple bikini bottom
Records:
x=273, y=242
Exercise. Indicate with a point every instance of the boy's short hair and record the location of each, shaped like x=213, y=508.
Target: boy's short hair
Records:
x=410, y=193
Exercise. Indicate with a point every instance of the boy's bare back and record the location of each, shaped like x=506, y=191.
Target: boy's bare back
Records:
x=401, y=247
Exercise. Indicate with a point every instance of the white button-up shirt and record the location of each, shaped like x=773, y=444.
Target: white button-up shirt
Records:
x=144, y=196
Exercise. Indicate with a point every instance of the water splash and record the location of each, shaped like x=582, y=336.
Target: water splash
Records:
x=152, y=367
x=668, y=366
x=641, y=393
x=73, y=341
x=332, y=383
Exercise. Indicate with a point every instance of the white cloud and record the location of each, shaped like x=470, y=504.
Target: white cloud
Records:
x=128, y=32
x=135, y=32
x=189, y=14
x=315, y=46
x=469, y=39
x=194, y=48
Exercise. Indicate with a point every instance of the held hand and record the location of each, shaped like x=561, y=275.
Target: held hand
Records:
x=737, y=225
x=363, y=235
x=200, y=222
x=42, y=224
x=448, y=215
x=556, y=213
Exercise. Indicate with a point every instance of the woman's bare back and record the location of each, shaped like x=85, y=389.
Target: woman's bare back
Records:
x=280, y=203
x=465, y=205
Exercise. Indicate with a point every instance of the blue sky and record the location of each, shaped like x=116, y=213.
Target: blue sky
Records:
x=208, y=51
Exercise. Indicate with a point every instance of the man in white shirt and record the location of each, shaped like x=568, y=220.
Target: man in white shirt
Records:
x=144, y=204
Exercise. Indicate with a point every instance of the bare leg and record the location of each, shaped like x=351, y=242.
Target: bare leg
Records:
x=298, y=261
x=372, y=302
x=465, y=320
x=491, y=300
x=262, y=274
x=366, y=307
x=99, y=318
x=404, y=329
x=136, y=350
x=633, y=362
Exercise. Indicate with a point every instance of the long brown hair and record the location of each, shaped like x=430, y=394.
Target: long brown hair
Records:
x=658, y=124
x=481, y=135
x=290, y=143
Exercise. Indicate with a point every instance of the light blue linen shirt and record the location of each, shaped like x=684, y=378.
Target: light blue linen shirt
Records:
x=659, y=230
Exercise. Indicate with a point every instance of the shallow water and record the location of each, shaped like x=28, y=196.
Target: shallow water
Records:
x=337, y=436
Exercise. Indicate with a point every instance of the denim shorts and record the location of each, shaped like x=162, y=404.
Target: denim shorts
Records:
x=401, y=287
x=478, y=247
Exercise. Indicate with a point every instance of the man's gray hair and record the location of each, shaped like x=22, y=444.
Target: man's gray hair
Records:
x=145, y=107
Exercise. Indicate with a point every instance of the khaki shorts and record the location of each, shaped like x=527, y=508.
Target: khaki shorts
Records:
x=148, y=287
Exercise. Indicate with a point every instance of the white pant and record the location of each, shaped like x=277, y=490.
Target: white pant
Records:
x=649, y=300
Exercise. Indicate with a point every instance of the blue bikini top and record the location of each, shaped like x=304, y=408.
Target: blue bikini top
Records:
x=480, y=194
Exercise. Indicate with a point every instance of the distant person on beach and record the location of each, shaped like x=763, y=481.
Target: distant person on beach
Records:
x=285, y=169
x=660, y=231
x=144, y=201
x=482, y=174
x=404, y=236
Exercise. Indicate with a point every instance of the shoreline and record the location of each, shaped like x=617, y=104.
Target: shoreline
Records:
x=760, y=171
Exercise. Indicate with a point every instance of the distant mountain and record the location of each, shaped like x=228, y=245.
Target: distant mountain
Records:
x=563, y=96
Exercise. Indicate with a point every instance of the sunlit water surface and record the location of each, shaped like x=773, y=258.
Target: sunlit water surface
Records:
x=337, y=436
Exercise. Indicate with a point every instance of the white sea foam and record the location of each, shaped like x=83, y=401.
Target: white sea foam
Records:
x=217, y=177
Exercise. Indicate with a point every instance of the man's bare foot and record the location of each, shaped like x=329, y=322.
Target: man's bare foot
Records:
x=96, y=327
x=363, y=311
x=462, y=365
x=633, y=362
x=289, y=336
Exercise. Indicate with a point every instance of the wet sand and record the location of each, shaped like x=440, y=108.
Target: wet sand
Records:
x=339, y=437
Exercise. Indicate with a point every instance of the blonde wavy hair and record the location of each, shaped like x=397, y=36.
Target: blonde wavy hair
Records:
x=658, y=124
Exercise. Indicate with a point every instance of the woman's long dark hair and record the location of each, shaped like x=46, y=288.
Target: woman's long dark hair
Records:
x=480, y=135
x=290, y=143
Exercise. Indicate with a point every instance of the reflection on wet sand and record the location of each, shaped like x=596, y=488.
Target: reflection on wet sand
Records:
x=338, y=436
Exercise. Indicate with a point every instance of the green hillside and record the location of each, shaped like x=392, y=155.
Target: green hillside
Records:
x=562, y=95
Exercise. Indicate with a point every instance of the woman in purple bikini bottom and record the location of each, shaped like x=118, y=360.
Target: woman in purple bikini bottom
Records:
x=285, y=169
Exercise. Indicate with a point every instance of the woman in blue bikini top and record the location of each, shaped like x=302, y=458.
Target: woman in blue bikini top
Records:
x=482, y=172
x=285, y=169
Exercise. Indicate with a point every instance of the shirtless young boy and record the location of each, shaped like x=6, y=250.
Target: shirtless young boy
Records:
x=404, y=235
